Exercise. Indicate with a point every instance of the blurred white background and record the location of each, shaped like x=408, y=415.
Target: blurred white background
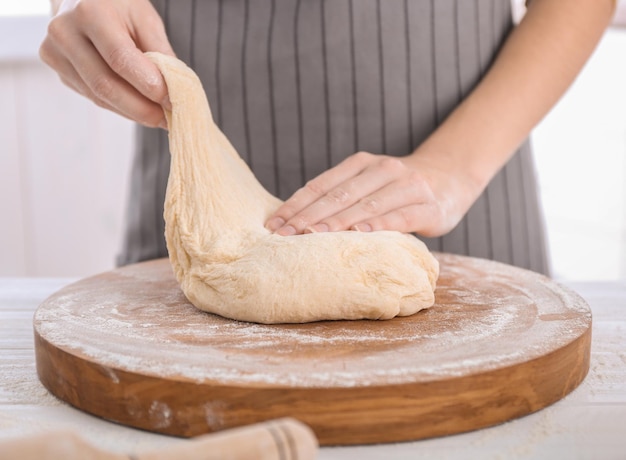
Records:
x=64, y=164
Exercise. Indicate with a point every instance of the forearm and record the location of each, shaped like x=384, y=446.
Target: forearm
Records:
x=536, y=65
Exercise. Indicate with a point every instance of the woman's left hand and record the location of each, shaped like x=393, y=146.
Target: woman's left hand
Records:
x=429, y=191
x=368, y=192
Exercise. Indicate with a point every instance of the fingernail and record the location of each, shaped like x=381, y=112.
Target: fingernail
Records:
x=317, y=228
x=274, y=223
x=287, y=230
x=362, y=227
x=166, y=103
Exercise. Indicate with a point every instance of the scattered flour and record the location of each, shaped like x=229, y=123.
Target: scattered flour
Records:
x=487, y=316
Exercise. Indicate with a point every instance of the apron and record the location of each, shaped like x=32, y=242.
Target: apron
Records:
x=299, y=85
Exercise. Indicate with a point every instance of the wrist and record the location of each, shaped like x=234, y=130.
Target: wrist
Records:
x=450, y=175
x=459, y=163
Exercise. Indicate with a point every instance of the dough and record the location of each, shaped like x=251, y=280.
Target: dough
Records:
x=228, y=263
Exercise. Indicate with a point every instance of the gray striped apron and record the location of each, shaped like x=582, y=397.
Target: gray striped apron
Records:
x=298, y=85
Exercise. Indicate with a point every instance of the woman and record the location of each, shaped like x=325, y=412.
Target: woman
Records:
x=437, y=97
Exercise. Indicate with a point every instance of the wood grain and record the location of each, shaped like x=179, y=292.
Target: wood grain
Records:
x=499, y=343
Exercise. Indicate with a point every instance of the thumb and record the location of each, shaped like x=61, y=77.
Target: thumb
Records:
x=152, y=36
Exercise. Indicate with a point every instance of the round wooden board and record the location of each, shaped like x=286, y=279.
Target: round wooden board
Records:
x=499, y=343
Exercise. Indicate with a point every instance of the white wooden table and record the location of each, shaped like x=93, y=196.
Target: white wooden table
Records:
x=590, y=423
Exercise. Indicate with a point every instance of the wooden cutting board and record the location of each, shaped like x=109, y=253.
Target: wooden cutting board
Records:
x=499, y=343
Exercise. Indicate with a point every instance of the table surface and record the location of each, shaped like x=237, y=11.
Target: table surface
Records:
x=588, y=423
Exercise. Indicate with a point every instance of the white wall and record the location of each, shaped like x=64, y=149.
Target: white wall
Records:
x=63, y=174
x=64, y=167
x=581, y=156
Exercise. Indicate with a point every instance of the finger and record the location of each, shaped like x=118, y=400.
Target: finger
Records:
x=318, y=187
x=349, y=202
x=84, y=91
x=66, y=43
x=68, y=75
x=110, y=89
x=417, y=218
x=395, y=195
x=112, y=39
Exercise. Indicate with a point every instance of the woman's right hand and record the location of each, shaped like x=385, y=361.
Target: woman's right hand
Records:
x=97, y=46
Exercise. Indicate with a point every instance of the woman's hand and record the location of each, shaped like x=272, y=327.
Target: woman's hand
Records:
x=430, y=190
x=368, y=192
x=96, y=47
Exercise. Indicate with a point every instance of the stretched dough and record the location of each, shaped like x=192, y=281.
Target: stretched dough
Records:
x=228, y=263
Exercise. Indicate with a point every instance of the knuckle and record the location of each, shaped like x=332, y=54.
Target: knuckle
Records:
x=361, y=156
x=300, y=222
x=315, y=187
x=54, y=28
x=391, y=165
x=57, y=30
x=102, y=87
x=359, y=160
x=370, y=205
x=287, y=211
x=338, y=195
x=120, y=59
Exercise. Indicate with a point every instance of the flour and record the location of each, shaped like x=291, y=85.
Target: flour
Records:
x=146, y=326
x=20, y=386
